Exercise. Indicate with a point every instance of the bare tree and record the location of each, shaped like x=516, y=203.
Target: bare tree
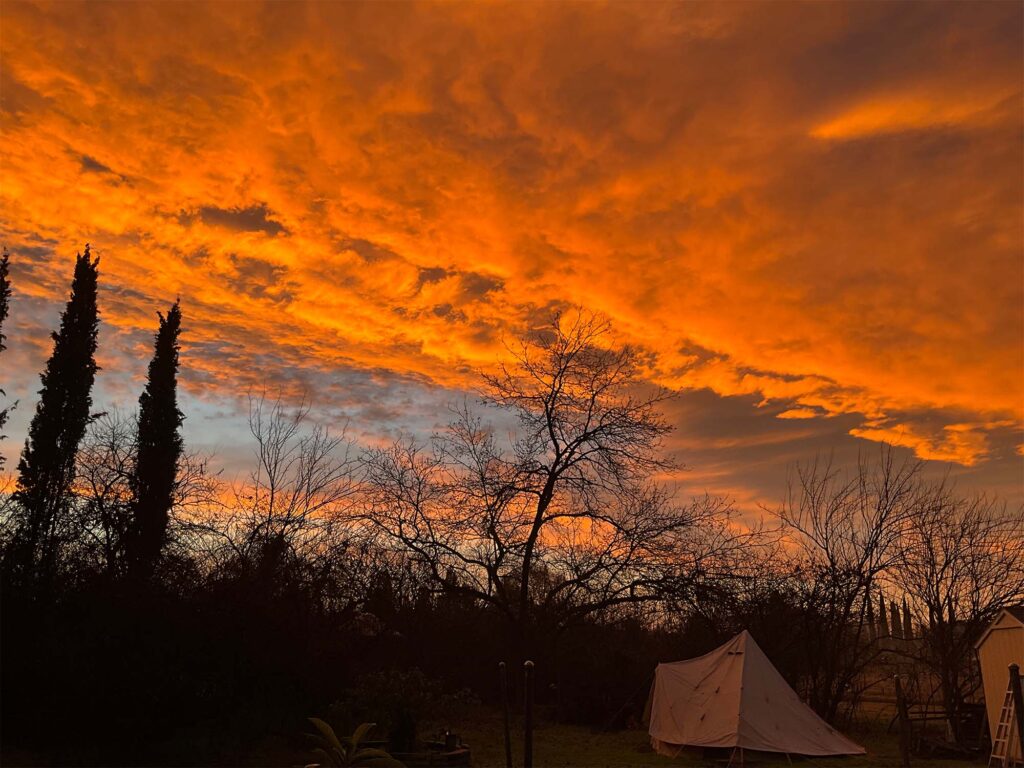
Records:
x=103, y=490
x=106, y=460
x=289, y=509
x=961, y=563
x=845, y=532
x=565, y=519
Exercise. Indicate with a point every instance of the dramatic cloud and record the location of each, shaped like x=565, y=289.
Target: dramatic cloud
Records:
x=810, y=213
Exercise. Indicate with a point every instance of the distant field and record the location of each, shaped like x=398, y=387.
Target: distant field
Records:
x=563, y=745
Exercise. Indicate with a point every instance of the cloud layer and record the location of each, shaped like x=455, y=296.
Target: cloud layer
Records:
x=812, y=210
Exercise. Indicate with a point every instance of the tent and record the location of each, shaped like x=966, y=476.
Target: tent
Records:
x=734, y=697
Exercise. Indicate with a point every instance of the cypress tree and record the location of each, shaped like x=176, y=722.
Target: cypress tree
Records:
x=872, y=629
x=47, y=466
x=5, y=296
x=895, y=626
x=159, y=450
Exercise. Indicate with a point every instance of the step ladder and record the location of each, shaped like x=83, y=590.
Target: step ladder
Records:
x=1005, y=730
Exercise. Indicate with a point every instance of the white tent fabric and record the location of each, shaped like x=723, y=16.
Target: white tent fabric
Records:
x=734, y=697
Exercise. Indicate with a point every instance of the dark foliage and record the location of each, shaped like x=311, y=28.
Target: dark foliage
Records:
x=280, y=600
x=5, y=297
x=47, y=466
x=158, y=452
x=5, y=294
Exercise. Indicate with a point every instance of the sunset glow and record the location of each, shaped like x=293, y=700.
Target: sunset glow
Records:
x=814, y=229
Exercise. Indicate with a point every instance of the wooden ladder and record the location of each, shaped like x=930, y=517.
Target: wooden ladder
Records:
x=1000, y=757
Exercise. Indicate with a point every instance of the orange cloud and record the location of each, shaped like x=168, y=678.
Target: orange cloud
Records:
x=798, y=413
x=919, y=111
x=391, y=189
x=960, y=443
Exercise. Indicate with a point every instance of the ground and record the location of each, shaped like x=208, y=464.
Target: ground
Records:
x=563, y=745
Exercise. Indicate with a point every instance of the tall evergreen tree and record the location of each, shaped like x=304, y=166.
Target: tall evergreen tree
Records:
x=47, y=466
x=5, y=294
x=159, y=451
x=5, y=297
x=872, y=627
x=908, y=622
x=895, y=625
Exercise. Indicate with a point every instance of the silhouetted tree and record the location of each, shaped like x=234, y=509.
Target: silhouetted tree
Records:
x=47, y=466
x=564, y=522
x=5, y=296
x=869, y=606
x=846, y=530
x=284, y=523
x=105, y=469
x=159, y=450
x=105, y=489
x=960, y=563
x=894, y=620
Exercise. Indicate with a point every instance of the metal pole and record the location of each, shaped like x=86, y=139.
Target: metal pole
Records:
x=901, y=711
x=503, y=679
x=1018, y=702
x=528, y=718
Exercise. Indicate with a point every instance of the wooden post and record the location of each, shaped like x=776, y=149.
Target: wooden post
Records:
x=528, y=718
x=901, y=711
x=1018, y=703
x=503, y=680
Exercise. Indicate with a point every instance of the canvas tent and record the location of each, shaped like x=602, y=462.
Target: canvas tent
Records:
x=734, y=697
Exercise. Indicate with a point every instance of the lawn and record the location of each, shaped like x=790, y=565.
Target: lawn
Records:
x=565, y=745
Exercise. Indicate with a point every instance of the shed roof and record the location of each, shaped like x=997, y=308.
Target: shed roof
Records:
x=1016, y=614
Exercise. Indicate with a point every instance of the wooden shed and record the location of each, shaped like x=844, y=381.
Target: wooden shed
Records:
x=1000, y=646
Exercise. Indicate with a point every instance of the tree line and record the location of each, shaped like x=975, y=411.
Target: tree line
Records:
x=199, y=615
x=43, y=516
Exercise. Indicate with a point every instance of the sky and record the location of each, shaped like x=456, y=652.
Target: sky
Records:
x=807, y=216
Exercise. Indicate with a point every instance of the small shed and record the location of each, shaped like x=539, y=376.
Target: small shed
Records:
x=1001, y=645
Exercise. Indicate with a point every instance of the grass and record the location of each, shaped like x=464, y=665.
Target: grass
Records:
x=556, y=746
